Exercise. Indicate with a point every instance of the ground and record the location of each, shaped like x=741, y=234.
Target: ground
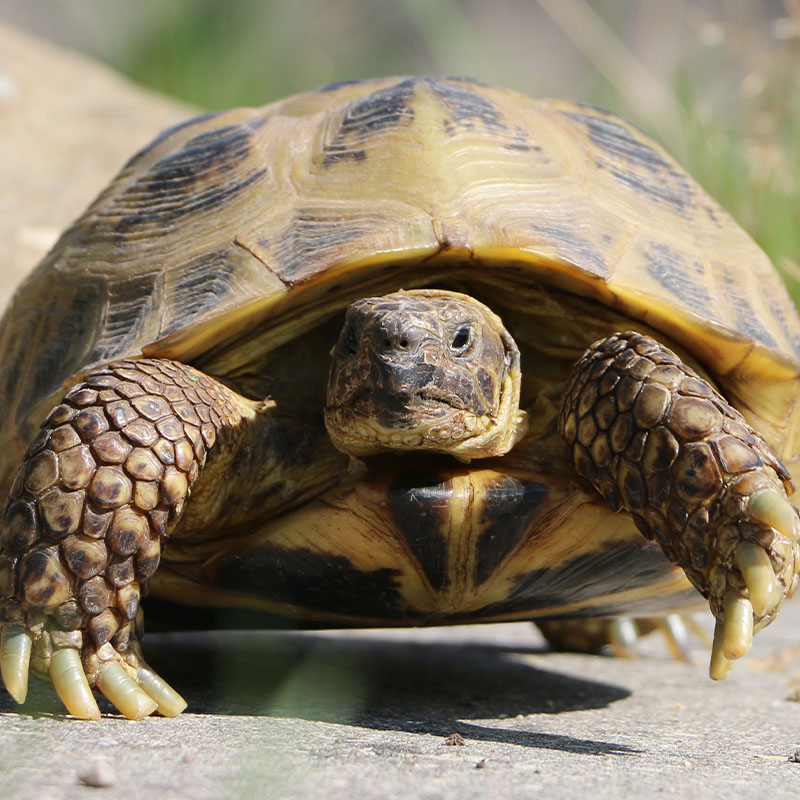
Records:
x=378, y=714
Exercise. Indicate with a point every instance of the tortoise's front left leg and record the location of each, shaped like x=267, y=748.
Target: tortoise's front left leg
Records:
x=657, y=440
x=98, y=491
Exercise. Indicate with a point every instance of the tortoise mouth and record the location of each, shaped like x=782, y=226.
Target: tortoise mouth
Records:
x=374, y=421
x=368, y=399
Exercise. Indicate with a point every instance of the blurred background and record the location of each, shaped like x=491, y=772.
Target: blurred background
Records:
x=717, y=81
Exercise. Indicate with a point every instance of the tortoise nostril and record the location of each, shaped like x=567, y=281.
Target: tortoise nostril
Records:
x=391, y=344
x=396, y=335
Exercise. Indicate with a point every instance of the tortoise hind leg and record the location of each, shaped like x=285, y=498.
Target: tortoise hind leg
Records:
x=621, y=634
x=98, y=491
x=657, y=440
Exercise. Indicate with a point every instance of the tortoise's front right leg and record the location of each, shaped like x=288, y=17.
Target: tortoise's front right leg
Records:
x=98, y=491
x=657, y=440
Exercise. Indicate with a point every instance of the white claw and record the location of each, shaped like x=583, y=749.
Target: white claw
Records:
x=623, y=636
x=170, y=703
x=776, y=511
x=720, y=666
x=677, y=636
x=756, y=568
x=69, y=680
x=15, y=658
x=124, y=692
x=737, y=633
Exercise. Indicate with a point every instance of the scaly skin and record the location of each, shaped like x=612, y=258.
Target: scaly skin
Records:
x=93, y=503
x=657, y=440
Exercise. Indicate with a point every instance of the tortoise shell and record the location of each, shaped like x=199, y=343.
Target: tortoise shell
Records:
x=249, y=230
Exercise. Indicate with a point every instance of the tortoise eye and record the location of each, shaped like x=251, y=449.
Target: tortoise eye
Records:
x=461, y=339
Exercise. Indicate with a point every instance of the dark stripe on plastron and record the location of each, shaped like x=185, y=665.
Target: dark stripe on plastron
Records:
x=507, y=510
x=581, y=578
x=642, y=607
x=419, y=505
x=314, y=581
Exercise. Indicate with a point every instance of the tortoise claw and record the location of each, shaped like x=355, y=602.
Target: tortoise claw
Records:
x=115, y=683
x=756, y=568
x=15, y=658
x=133, y=687
x=170, y=703
x=71, y=684
x=737, y=628
x=675, y=632
x=623, y=636
x=720, y=666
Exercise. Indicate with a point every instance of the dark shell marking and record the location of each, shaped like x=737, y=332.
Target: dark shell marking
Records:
x=466, y=106
x=511, y=504
x=668, y=266
x=382, y=109
x=584, y=577
x=210, y=161
x=419, y=506
x=306, y=579
x=635, y=164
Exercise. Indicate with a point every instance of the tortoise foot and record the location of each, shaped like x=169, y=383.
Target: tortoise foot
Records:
x=73, y=667
x=754, y=566
x=620, y=635
x=659, y=441
x=90, y=509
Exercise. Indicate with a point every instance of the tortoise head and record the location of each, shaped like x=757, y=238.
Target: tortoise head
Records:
x=426, y=369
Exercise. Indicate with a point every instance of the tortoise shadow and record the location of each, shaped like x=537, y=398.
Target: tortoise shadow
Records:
x=367, y=681
x=380, y=683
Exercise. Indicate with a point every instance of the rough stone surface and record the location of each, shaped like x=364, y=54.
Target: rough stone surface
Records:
x=367, y=715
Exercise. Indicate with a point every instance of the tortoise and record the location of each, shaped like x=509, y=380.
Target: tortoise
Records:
x=399, y=352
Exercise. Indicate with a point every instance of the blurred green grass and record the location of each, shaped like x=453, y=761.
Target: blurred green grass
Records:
x=727, y=106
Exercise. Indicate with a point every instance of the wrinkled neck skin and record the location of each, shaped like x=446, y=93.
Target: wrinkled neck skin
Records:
x=426, y=370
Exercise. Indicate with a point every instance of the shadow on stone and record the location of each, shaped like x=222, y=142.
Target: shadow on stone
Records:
x=374, y=683
x=379, y=683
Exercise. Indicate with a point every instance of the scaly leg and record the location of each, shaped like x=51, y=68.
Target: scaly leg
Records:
x=97, y=494
x=657, y=440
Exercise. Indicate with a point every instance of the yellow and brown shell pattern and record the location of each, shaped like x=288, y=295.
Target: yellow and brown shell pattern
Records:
x=235, y=242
